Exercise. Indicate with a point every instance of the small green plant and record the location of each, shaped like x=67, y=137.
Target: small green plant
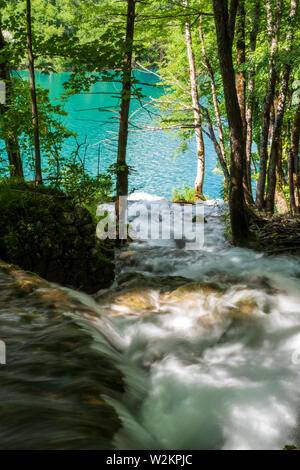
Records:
x=183, y=193
x=83, y=188
x=227, y=229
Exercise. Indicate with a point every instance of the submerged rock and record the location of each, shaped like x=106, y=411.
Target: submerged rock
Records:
x=145, y=295
x=244, y=308
x=126, y=254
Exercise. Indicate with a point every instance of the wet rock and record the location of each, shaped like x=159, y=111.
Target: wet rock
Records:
x=157, y=295
x=126, y=254
x=199, y=218
x=135, y=300
x=185, y=291
x=206, y=321
x=244, y=308
x=262, y=282
x=136, y=279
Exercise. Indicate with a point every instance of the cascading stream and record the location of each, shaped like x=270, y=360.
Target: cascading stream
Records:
x=217, y=333
x=189, y=349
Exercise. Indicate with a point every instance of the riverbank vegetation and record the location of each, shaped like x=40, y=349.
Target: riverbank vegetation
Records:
x=229, y=71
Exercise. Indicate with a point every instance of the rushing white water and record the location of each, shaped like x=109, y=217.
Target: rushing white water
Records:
x=206, y=342
x=214, y=335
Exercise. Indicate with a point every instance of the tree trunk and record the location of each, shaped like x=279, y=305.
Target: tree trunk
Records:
x=11, y=140
x=224, y=22
x=197, y=113
x=273, y=24
x=35, y=119
x=276, y=134
x=280, y=197
x=122, y=168
x=219, y=146
x=14, y=156
x=241, y=91
x=251, y=87
x=293, y=165
x=240, y=60
x=276, y=137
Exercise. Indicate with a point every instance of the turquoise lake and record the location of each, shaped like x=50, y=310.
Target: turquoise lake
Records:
x=150, y=153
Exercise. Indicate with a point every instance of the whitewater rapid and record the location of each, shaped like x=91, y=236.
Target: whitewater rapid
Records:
x=188, y=349
x=215, y=367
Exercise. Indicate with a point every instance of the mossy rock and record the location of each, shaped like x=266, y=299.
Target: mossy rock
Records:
x=48, y=234
x=244, y=308
x=127, y=302
x=185, y=291
x=135, y=299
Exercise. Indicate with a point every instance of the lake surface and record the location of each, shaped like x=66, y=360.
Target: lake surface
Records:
x=150, y=153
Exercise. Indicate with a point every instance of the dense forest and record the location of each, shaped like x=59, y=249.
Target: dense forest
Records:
x=221, y=81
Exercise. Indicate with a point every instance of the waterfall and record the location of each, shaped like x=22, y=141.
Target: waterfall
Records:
x=188, y=349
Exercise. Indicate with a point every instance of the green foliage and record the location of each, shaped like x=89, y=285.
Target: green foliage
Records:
x=83, y=188
x=62, y=173
x=25, y=220
x=183, y=193
x=227, y=226
x=87, y=38
x=17, y=120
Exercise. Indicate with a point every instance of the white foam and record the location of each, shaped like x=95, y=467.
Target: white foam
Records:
x=213, y=380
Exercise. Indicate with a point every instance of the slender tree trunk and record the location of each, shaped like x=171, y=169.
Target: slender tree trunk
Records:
x=280, y=198
x=219, y=146
x=14, y=156
x=35, y=119
x=11, y=140
x=240, y=61
x=224, y=22
x=122, y=168
x=241, y=90
x=293, y=165
x=273, y=23
x=251, y=87
x=197, y=113
x=276, y=134
x=275, y=145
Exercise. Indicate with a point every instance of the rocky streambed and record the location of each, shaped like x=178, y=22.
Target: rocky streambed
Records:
x=188, y=349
